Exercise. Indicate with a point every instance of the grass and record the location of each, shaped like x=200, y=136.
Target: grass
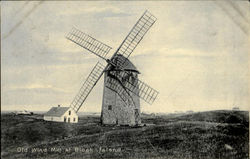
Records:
x=204, y=135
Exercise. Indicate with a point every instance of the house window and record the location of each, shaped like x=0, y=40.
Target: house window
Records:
x=69, y=120
x=69, y=112
x=110, y=107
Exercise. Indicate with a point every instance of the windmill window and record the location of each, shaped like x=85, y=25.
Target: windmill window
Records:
x=110, y=107
x=132, y=79
x=69, y=112
x=136, y=112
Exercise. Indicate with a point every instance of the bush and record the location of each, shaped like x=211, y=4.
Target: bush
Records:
x=233, y=119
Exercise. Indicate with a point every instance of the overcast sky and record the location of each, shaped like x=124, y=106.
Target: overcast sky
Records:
x=196, y=54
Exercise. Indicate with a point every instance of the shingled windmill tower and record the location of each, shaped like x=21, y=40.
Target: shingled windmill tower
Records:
x=122, y=88
x=123, y=109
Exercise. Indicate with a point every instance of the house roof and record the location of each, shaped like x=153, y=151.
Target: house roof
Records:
x=56, y=111
x=127, y=63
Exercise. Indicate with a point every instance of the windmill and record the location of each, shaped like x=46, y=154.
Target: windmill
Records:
x=122, y=88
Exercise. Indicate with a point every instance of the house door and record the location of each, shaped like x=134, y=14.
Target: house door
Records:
x=68, y=120
x=65, y=119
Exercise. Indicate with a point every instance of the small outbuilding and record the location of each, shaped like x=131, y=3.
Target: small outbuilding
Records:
x=236, y=108
x=61, y=114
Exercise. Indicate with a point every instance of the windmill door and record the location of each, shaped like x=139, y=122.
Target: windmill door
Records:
x=137, y=117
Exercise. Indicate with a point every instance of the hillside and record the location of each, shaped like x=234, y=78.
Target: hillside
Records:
x=203, y=135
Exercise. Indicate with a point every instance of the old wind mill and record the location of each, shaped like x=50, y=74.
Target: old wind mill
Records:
x=122, y=88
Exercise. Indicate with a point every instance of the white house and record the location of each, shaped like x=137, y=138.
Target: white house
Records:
x=61, y=114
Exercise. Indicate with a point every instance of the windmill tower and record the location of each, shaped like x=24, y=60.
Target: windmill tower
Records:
x=115, y=108
x=122, y=88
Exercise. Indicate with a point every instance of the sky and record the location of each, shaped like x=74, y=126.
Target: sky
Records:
x=196, y=54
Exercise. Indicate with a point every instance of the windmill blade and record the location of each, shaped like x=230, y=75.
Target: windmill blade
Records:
x=91, y=44
x=137, y=87
x=117, y=87
x=135, y=36
x=87, y=86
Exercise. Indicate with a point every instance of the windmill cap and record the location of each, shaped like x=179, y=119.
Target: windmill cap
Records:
x=128, y=65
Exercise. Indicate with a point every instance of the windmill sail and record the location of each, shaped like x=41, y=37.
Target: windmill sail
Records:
x=117, y=87
x=135, y=36
x=137, y=87
x=91, y=44
x=87, y=86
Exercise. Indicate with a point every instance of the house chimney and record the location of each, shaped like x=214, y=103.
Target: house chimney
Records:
x=58, y=105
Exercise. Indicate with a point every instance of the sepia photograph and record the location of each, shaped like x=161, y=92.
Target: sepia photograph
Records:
x=125, y=79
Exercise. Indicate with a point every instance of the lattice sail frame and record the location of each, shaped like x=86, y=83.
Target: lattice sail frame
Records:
x=117, y=87
x=137, y=87
x=87, y=86
x=135, y=36
x=91, y=44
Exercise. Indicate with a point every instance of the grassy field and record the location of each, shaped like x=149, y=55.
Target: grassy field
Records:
x=204, y=135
